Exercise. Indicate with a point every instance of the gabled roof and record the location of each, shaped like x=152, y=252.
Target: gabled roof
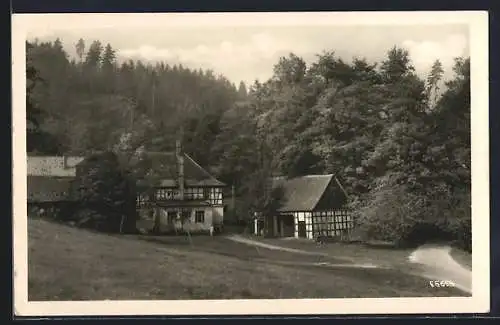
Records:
x=302, y=193
x=52, y=166
x=165, y=167
x=47, y=189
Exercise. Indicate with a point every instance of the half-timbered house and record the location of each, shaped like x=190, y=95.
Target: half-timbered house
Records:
x=311, y=206
x=182, y=195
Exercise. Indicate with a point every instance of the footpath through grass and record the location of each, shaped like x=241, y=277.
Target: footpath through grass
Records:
x=354, y=252
x=72, y=264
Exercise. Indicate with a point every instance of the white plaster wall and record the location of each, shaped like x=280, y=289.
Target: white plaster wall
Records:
x=189, y=224
x=296, y=224
x=193, y=226
x=218, y=215
x=308, y=220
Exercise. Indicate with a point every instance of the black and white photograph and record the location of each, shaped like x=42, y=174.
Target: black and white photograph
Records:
x=250, y=163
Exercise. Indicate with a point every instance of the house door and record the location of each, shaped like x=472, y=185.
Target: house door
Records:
x=287, y=224
x=302, y=229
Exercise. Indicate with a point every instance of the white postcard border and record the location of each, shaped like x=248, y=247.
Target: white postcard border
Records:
x=480, y=300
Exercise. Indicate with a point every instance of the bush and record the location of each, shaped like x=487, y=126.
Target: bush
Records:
x=386, y=213
x=392, y=212
x=105, y=196
x=460, y=221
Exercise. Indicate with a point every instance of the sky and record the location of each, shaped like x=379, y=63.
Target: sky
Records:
x=248, y=51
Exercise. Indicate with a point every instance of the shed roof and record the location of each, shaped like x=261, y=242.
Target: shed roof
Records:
x=302, y=193
x=52, y=166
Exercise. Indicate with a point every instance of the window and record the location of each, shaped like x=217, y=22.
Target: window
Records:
x=199, y=217
x=164, y=194
x=197, y=193
x=214, y=195
x=141, y=199
x=186, y=214
x=194, y=193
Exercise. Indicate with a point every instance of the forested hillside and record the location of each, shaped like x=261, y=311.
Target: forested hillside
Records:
x=400, y=144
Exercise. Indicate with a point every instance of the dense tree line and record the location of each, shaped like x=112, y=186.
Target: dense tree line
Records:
x=399, y=143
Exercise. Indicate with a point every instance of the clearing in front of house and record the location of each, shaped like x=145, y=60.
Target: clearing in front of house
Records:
x=67, y=263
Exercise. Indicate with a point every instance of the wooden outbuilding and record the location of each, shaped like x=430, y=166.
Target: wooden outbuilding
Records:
x=312, y=206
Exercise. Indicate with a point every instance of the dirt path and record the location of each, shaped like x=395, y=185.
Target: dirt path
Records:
x=348, y=262
x=247, y=241
x=439, y=265
x=435, y=261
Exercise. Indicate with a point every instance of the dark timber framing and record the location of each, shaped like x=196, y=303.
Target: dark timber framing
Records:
x=312, y=206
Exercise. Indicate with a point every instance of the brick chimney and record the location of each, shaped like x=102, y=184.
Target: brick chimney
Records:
x=180, y=167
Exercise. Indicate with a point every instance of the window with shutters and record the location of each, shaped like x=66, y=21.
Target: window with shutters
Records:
x=200, y=216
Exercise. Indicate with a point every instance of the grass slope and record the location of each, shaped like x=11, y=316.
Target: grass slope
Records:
x=72, y=264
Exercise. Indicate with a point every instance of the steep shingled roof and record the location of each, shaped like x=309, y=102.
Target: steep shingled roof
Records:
x=165, y=166
x=302, y=193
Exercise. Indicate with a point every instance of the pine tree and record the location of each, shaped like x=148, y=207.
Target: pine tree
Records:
x=108, y=58
x=94, y=54
x=108, y=64
x=242, y=90
x=80, y=49
x=432, y=86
